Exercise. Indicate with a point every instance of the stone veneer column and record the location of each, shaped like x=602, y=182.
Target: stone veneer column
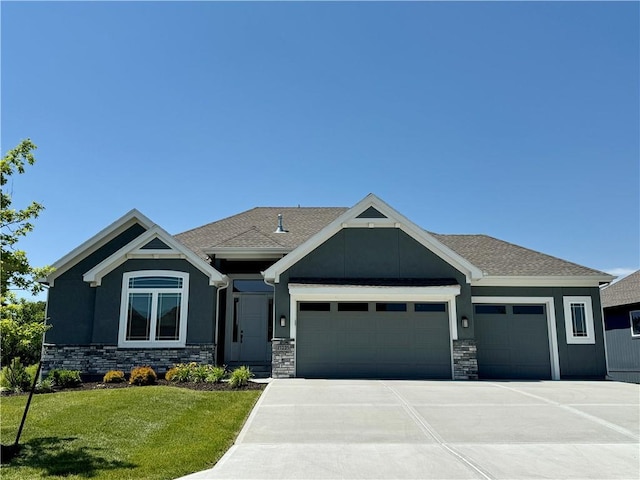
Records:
x=283, y=358
x=465, y=361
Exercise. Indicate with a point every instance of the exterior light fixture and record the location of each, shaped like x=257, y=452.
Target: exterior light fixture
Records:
x=283, y=321
x=465, y=322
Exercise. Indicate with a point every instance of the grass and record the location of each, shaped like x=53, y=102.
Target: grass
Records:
x=153, y=432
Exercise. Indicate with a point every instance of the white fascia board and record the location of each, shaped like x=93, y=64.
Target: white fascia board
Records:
x=371, y=293
x=96, y=242
x=240, y=253
x=543, y=281
x=134, y=250
x=394, y=220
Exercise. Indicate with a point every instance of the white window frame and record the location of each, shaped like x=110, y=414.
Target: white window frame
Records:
x=124, y=307
x=568, y=320
x=634, y=335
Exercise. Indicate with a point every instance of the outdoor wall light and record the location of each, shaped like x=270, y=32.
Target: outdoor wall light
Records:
x=283, y=321
x=465, y=322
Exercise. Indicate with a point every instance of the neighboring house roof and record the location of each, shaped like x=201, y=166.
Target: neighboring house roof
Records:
x=623, y=292
x=255, y=229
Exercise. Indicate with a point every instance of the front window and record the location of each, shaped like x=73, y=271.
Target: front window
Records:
x=634, y=317
x=578, y=318
x=154, y=307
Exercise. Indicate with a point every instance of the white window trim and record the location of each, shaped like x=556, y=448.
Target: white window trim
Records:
x=634, y=335
x=184, y=291
x=568, y=321
x=551, y=323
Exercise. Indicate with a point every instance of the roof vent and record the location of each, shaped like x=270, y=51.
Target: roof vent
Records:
x=280, y=228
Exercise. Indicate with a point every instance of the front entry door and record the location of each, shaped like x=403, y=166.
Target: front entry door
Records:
x=253, y=321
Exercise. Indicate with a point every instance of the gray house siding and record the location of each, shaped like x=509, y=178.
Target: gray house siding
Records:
x=623, y=350
x=71, y=301
x=576, y=361
x=370, y=253
x=201, y=313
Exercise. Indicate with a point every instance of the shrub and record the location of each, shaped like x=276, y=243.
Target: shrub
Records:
x=65, y=378
x=240, y=377
x=216, y=374
x=114, y=376
x=143, y=376
x=44, y=386
x=15, y=377
x=170, y=375
x=182, y=372
x=199, y=373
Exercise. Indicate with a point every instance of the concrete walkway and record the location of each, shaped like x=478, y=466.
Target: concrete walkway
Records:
x=341, y=429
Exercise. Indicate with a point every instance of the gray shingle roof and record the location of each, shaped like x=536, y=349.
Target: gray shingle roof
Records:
x=255, y=229
x=500, y=258
x=623, y=292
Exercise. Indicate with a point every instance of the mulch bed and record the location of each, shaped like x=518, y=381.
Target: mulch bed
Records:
x=224, y=386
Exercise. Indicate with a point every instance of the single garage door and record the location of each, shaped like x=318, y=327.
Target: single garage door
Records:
x=372, y=340
x=512, y=341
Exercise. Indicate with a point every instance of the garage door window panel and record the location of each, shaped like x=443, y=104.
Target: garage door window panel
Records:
x=391, y=307
x=430, y=307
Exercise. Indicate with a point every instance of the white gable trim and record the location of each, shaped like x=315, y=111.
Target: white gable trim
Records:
x=394, y=220
x=134, y=250
x=96, y=242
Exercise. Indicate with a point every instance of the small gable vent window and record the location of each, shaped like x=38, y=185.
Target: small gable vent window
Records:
x=153, y=311
x=578, y=319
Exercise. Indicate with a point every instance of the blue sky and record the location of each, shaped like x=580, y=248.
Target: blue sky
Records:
x=517, y=120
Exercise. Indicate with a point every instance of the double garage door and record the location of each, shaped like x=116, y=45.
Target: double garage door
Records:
x=373, y=340
x=411, y=340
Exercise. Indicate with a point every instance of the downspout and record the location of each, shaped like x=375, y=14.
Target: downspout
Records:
x=273, y=318
x=46, y=316
x=215, y=331
x=604, y=332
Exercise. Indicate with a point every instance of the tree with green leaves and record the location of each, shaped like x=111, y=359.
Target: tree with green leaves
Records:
x=15, y=270
x=22, y=323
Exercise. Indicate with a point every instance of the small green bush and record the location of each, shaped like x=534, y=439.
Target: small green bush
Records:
x=44, y=386
x=15, y=377
x=114, y=376
x=199, y=373
x=216, y=375
x=182, y=372
x=142, y=376
x=65, y=378
x=240, y=377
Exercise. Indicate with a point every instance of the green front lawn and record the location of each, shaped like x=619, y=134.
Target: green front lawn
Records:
x=144, y=432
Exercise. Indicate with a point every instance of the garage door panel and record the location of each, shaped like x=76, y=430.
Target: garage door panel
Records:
x=512, y=345
x=373, y=345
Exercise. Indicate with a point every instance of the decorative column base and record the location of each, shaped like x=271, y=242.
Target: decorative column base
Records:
x=465, y=360
x=283, y=358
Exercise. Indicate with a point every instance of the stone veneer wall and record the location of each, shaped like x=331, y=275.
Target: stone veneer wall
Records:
x=283, y=359
x=99, y=359
x=465, y=361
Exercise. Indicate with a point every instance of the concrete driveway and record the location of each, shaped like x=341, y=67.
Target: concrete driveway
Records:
x=343, y=429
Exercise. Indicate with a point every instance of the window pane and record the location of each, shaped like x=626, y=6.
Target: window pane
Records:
x=491, y=309
x=528, y=309
x=236, y=329
x=430, y=307
x=353, y=307
x=635, y=322
x=155, y=282
x=579, y=320
x=391, y=307
x=315, y=306
x=168, y=327
x=139, y=316
x=270, y=320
